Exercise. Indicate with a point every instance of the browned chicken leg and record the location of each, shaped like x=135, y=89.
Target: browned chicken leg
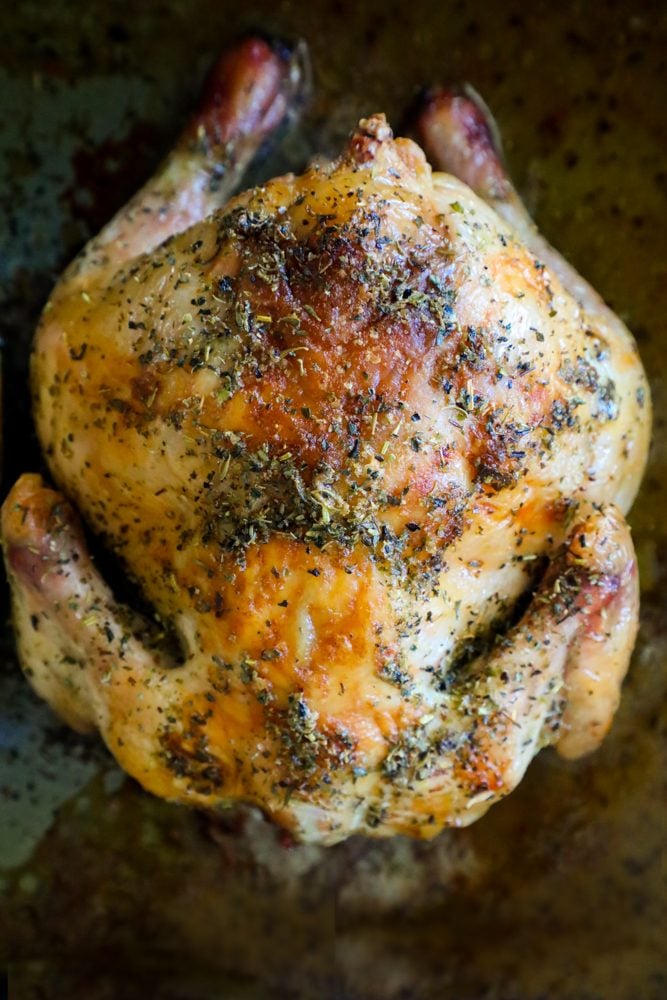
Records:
x=249, y=93
x=337, y=431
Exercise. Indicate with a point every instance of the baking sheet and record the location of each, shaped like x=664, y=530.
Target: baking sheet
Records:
x=559, y=892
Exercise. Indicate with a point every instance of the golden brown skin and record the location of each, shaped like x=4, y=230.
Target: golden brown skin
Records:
x=335, y=431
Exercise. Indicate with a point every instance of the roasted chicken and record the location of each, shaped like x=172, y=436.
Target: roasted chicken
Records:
x=363, y=444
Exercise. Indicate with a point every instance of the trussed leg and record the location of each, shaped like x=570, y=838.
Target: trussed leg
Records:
x=460, y=137
x=249, y=93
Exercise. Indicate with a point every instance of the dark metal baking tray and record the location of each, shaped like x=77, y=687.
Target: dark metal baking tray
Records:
x=559, y=893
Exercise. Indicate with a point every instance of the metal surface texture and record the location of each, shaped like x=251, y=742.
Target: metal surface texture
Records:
x=559, y=893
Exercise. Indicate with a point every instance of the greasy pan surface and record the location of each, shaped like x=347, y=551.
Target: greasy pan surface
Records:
x=558, y=893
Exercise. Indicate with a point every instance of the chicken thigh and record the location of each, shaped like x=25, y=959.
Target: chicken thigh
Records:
x=363, y=442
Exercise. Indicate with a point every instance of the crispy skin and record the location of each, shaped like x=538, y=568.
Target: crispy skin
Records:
x=333, y=430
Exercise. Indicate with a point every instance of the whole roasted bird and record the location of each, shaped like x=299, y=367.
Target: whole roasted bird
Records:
x=364, y=443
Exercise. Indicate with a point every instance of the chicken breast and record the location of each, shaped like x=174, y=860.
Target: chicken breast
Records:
x=364, y=443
